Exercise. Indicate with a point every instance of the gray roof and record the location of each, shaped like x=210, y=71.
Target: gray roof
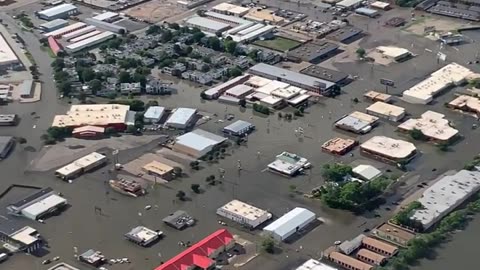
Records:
x=181, y=116
x=352, y=122
x=55, y=23
x=63, y=266
x=154, y=112
x=33, y=197
x=238, y=126
x=26, y=87
x=366, y=11
x=179, y=219
x=287, y=75
x=348, y=3
x=312, y=51
x=203, y=22
x=291, y=220
x=325, y=73
x=199, y=139
x=104, y=25
x=344, y=34
x=63, y=8
x=349, y=246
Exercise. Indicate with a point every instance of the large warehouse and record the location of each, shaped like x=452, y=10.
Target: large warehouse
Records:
x=181, y=118
x=7, y=56
x=81, y=165
x=37, y=204
x=89, y=42
x=389, y=149
x=102, y=115
x=62, y=11
x=197, y=143
x=244, y=214
x=290, y=223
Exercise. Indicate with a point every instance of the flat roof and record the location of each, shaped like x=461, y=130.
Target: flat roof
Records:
x=348, y=3
x=345, y=33
x=287, y=92
x=386, y=109
x=288, y=75
x=366, y=11
x=24, y=235
x=207, y=23
x=81, y=163
x=392, y=51
x=227, y=7
x=228, y=18
x=424, y=91
x=239, y=90
x=105, y=16
x=154, y=112
x=445, y=195
x=396, y=231
x=222, y=86
x=377, y=258
x=92, y=115
x=349, y=261
x=389, y=147
x=85, y=36
x=357, y=121
x=379, y=245
x=66, y=29
x=432, y=124
x=157, y=167
x=291, y=220
x=337, y=145
x=44, y=205
x=374, y=95
x=89, y=128
x=238, y=126
x=299, y=99
x=63, y=8
x=142, y=234
x=199, y=139
x=91, y=40
x=312, y=264
x=313, y=50
x=325, y=73
x=7, y=56
x=254, y=34
x=263, y=15
x=80, y=31
x=245, y=210
x=380, y=4
x=364, y=117
x=271, y=100
x=257, y=81
x=7, y=118
x=466, y=103
x=181, y=116
x=54, y=23
x=268, y=88
x=367, y=171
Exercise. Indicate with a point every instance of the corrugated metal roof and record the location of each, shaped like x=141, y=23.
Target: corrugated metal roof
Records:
x=290, y=221
x=44, y=205
x=57, y=10
x=181, y=116
x=207, y=23
x=238, y=126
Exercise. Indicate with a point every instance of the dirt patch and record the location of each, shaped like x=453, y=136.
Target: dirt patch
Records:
x=441, y=25
x=155, y=10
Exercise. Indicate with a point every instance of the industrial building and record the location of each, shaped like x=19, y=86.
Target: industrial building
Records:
x=62, y=11
x=65, y=30
x=102, y=115
x=179, y=220
x=326, y=74
x=54, y=46
x=181, y=118
x=346, y=34
x=380, y=5
x=107, y=16
x=466, y=103
x=218, y=90
x=201, y=255
x=89, y=42
x=349, y=4
x=239, y=91
x=244, y=214
x=16, y=237
x=53, y=25
x=349, y=246
x=372, y=13
x=450, y=75
x=379, y=246
x=339, y=146
x=207, y=25
x=393, y=234
x=230, y=9
x=388, y=149
x=313, y=84
x=159, y=169
x=441, y=198
x=348, y=262
x=92, y=257
x=371, y=257
x=288, y=164
x=8, y=57
x=386, y=111
x=394, y=53
x=264, y=16
x=38, y=204
x=313, y=264
x=251, y=33
x=290, y=223
x=8, y=119
x=239, y=128
x=109, y=27
x=79, y=32
x=376, y=96
x=153, y=114
x=366, y=172
x=197, y=143
x=142, y=236
x=62, y=266
x=312, y=52
x=81, y=166
x=6, y=145
x=357, y=122
x=433, y=125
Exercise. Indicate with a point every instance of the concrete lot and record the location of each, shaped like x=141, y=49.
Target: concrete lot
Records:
x=80, y=227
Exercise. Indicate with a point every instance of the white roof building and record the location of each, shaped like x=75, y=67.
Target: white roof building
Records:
x=244, y=213
x=268, y=88
x=142, y=236
x=389, y=149
x=445, y=195
x=62, y=10
x=7, y=56
x=386, y=111
x=89, y=42
x=197, y=143
x=230, y=9
x=36, y=210
x=424, y=92
x=207, y=24
x=67, y=29
x=432, y=124
x=395, y=53
x=181, y=117
x=288, y=164
x=154, y=113
x=105, y=16
x=257, y=81
x=290, y=223
x=315, y=265
x=367, y=172
x=81, y=165
x=349, y=3
x=92, y=115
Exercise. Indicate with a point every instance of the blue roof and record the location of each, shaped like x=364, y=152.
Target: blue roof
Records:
x=290, y=221
x=154, y=112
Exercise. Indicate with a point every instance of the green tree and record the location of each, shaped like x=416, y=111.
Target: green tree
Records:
x=417, y=134
x=230, y=46
x=181, y=195
x=88, y=74
x=268, y=245
x=61, y=76
x=110, y=131
x=234, y=72
x=197, y=36
x=336, y=172
x=154, y=29
x=361, y=53
x=195, y=188
x=214, y=43
x=124, y=77
x=174, y=26
x=151, y=103
x=166, y=36
x=131, y=129
x=177, y=171
x=95, y=85
x=242, y=102
x=253, y=54
x=65, y=88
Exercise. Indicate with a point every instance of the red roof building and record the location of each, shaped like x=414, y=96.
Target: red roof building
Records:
x=200, y=255
x=54, y=45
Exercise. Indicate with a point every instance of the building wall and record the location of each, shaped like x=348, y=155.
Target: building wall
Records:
x=290, y=233
x=394, y=118
x=189, y=151
x=63, y=15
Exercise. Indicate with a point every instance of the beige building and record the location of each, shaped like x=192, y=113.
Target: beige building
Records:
x=230, y=9
x=386, y=111
x=159, y=169
x=264, y=15
x=197, y=143
x=102, y=115
x=379, y=246
x=388, y=149
x=244, y=213
x=348, y=262
x=393, y=234
x=466, y=103
x=377, y=96
x=433, y=125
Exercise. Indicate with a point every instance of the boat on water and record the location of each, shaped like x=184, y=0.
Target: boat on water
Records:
x=127, y=187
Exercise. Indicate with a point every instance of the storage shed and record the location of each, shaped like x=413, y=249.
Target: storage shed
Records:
x=290, y=223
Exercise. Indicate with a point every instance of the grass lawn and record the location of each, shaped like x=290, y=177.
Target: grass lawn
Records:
x=278, y=44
